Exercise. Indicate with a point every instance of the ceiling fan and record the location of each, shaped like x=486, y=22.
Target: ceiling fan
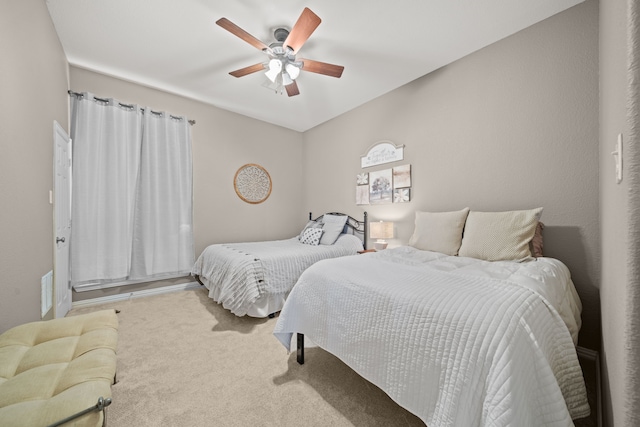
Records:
x=283, y=68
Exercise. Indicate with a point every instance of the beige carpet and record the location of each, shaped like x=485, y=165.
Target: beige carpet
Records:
x=185, y=361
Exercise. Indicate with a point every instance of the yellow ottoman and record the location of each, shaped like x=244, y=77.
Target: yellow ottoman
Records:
x=52, y=369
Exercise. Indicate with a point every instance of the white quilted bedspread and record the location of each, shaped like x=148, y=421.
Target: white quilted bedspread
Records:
x=454, y=340
x=244, y=272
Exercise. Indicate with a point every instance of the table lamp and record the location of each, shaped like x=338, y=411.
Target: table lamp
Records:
x=381, y=230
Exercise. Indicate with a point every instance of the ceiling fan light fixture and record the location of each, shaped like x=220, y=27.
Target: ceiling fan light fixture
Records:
x=275, y=66
x=293, y=70
x=282, y=68
x=286, y=79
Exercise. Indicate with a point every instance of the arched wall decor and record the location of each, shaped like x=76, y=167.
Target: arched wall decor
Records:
x=252, y=183
x=382, y=152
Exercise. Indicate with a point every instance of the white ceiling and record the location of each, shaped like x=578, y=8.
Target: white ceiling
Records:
x=175, y=46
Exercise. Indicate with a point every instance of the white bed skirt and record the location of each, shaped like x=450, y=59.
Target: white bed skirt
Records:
x=263, y=307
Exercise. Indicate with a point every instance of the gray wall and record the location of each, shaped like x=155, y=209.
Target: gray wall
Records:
x=540, y=85
x=512, y=126
x=33, y=93
x=613, y=210
x=222, y=142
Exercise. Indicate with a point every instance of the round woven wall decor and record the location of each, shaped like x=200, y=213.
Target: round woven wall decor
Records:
x=252, y=183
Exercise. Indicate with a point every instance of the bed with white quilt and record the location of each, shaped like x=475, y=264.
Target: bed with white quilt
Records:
x=255, y=278
x=453, y=335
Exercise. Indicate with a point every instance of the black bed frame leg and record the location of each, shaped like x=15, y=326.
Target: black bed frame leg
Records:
x=300, y=355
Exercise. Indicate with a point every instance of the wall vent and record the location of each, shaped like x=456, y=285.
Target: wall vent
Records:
x=46, y=297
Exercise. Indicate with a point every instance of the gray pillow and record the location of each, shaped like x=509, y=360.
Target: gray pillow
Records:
x=332, y=228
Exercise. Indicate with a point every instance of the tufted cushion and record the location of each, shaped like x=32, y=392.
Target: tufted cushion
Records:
x=52, y=369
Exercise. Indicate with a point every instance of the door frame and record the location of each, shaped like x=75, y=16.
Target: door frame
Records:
x=61, y=226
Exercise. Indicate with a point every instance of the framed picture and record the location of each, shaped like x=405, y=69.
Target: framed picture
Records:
x=380, y=187
x=402, y=176
x=362, y=179
x=362, y=194
x=401, y=195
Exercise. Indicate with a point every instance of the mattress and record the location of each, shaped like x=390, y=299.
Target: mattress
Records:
x=456, y=341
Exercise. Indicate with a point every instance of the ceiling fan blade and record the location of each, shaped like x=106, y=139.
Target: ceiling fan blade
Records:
x=248, y=70
x=322, y=68
x=239, y=32
x=292, y=89
x=304, y=26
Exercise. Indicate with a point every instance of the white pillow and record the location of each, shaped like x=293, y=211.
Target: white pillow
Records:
x=311, y=236
x=332, y=227
x=495, y=236
x=439, y=231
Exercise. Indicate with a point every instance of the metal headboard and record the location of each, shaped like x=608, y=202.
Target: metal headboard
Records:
x=359, y=228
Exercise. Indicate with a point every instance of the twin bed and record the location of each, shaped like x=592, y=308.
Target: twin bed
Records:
x=467, y=325
x=255, y=278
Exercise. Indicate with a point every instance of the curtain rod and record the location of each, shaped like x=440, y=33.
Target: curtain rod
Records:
x=130, y=106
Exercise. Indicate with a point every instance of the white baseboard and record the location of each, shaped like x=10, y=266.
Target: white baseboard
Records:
x=136, y=294
x=86, y=287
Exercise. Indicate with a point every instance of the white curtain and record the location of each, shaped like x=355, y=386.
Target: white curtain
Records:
x=163, y=238
x=131, y=194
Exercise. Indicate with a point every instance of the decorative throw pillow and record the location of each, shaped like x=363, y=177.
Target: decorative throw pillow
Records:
x=311, y=236
x=439, y=231
x=310, y=224
x=495, y=236
x=332, y=227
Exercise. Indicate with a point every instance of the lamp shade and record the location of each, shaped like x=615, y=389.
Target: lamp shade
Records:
x=293, y=70
x=275, y=66
x=381, y=230
x=286, y=79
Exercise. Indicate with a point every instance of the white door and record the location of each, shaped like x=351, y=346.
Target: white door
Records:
x=62, y=220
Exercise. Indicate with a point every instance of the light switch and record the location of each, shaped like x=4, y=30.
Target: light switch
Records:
x=617, y=157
